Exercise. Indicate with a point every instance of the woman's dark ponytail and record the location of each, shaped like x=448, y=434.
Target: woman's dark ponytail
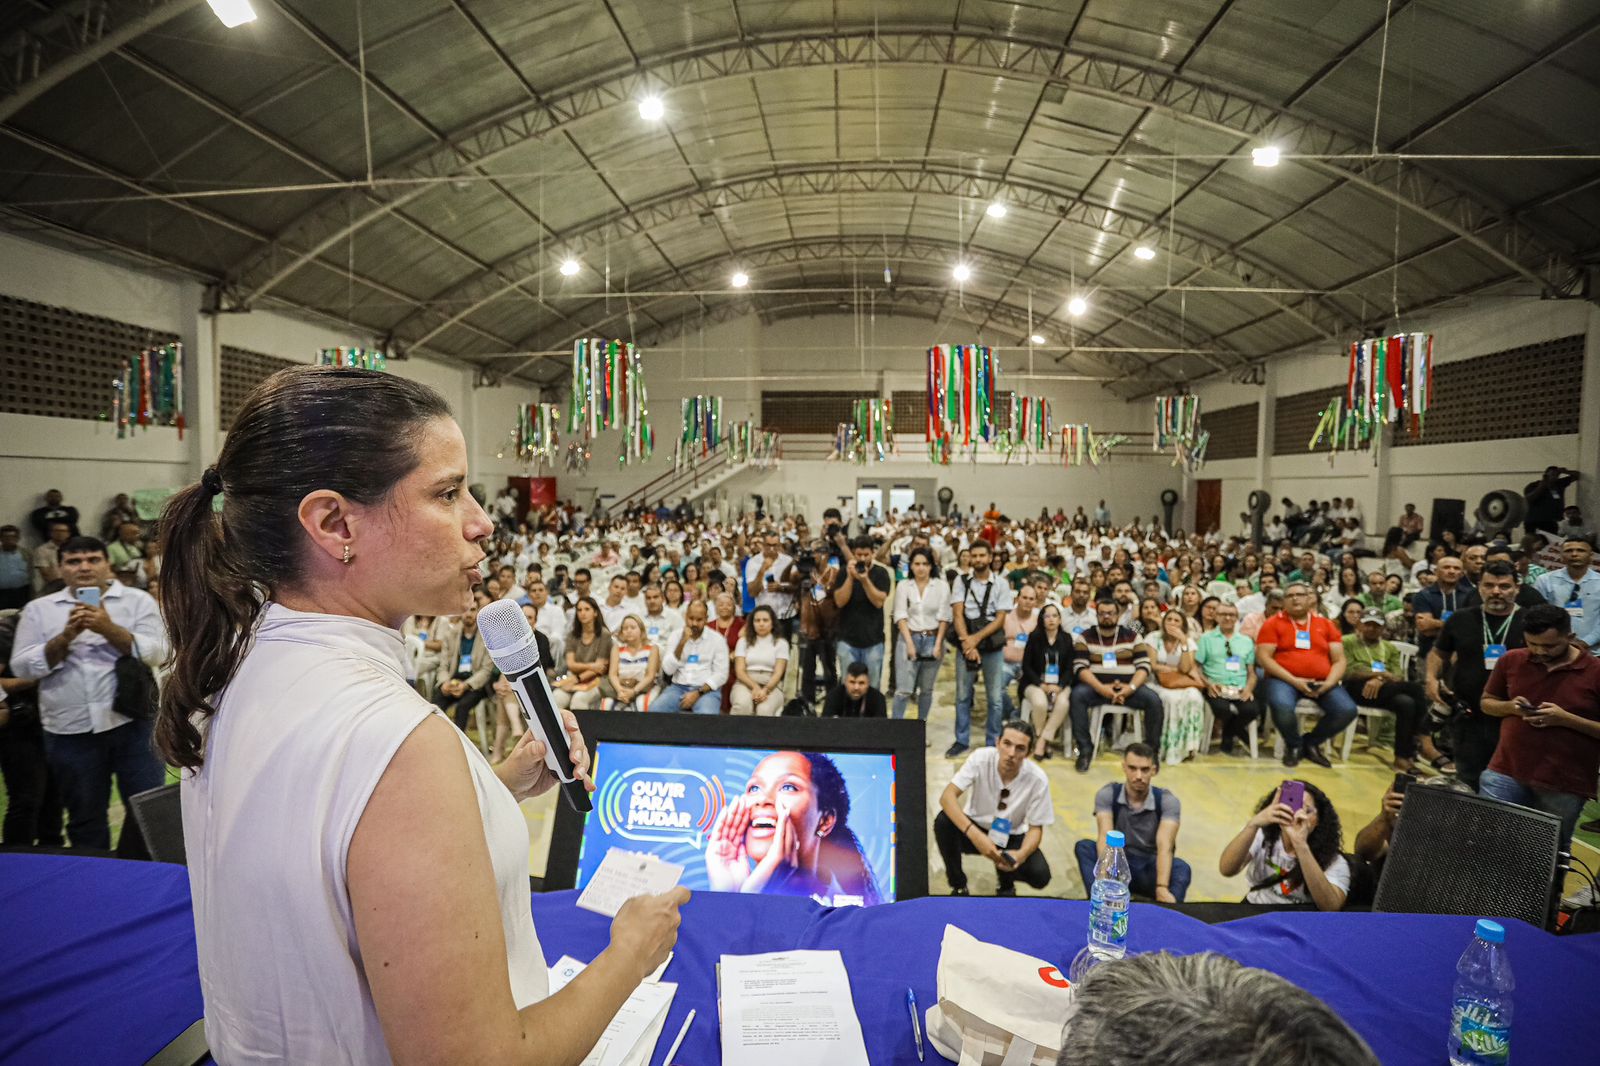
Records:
x=302, y=429
x=209, y=608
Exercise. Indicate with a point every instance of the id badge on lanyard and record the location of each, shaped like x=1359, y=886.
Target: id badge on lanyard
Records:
x=1491, y=655
x=1052, y=672
x=1302, y=639
x=1575, y=605
x=1108, y=659
x=1000, y=831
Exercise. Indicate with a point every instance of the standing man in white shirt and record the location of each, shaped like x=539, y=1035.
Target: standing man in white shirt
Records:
x=1003, y=818
x=70, y=642
x=770, y=576
x=698, y=665
x=1577, y=589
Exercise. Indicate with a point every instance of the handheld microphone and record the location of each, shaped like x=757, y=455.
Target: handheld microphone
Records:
x=510, y=642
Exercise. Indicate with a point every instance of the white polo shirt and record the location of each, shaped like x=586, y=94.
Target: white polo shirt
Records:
x=1028, y=800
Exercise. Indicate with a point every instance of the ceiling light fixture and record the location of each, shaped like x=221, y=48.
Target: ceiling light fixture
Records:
x=995, y=210
x=651, y=108
x=569, y=267
x=961, y=272
x=1036, y=339
x=740, y=279
x=1265, y=157
x=1077, y=307
x=1145, y=252
x=233, y=13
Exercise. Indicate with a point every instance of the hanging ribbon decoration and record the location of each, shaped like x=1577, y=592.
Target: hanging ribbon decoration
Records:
x=1391, y=379
x=608, y=392
x=1177, y=425
x=149, y=391
x=534, y=439
x=360, y=358
x=961, y=388
x=702, y=423
x=874, y=426
x=1079, y=445
x=1030, y=430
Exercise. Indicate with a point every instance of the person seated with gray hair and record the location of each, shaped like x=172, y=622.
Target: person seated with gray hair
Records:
x=1202, y=1010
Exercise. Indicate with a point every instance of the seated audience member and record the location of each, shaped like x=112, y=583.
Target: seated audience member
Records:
x=1291, y=854
x=1003, y=818
x=1148, y=818
x=508, y=723
x=1227, y=658
x=1303, y=657
x=635, y=666
x=854, y=697
x=1046, y=661
x=465, y=669
x=1177, y=681
x=759, y=662
x=1202, y=1010
x=1373, y=677
x=1111, y=667
x=1250, y=623
x=588, y=659
x=1547, y=695
x=698, y=667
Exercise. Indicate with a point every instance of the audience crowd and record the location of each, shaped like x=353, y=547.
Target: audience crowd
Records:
x=1479, y=653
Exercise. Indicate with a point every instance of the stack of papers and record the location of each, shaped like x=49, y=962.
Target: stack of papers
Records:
x=792, y=1007
x=630, y=1039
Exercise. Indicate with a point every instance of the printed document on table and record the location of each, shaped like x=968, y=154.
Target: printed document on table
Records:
x=623, y=875
x=792, y=1007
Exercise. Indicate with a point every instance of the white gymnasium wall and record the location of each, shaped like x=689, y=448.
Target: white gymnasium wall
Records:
x=824, y=354
x=1419, y=474
x=87, y=462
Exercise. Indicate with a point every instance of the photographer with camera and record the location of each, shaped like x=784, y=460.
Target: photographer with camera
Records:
x=819, y=616
x=1463, y=656
x=980, y=621
x=860, y=595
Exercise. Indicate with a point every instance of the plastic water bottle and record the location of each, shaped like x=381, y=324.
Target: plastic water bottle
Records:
x=1108, y=909
x=1480, y=1010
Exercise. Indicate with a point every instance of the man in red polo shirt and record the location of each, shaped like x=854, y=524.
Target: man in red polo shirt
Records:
x=1303, y=658
x=1549, y=695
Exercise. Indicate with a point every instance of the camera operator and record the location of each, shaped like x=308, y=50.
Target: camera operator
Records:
x=860, y=596
x=819, y=617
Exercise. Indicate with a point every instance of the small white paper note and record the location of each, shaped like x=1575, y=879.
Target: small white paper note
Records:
x=623, y=875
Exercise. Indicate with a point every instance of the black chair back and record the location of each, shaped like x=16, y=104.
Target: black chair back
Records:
x=158, y=819
x=1456, y=853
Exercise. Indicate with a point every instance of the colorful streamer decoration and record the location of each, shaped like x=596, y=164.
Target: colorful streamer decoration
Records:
x=360, y=358
x=534, y=438
x=1030, y=430
x=962, y=381
x=608, y=392
x=1391, y=380
x=702, y=423
x=868, y=435
x=1177, y=419
x=149, y=391
x=1079, y=445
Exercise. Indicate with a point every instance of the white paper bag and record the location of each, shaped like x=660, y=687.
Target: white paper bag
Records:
x=997, y=1007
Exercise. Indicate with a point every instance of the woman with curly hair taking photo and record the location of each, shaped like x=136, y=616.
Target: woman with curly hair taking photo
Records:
x=1291, y=849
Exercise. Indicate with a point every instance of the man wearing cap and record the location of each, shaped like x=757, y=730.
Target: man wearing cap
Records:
x=1577, y=589
x=1373, y=678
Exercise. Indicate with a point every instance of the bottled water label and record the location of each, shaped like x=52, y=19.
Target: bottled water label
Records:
x=1479, y=1035
x=1108, y=925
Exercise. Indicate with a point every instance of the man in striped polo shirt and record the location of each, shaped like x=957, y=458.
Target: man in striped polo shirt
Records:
x=1112, y=666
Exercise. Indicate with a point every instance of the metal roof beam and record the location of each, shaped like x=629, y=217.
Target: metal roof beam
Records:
x=474, y=293
x=72, y=38
x=1504, y=239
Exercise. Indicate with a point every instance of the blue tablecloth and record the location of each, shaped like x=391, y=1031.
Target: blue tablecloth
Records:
x=99, y=962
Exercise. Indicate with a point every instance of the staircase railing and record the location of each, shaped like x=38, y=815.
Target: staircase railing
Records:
x=676, y=483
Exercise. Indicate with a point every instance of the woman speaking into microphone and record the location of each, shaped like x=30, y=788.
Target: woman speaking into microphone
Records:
x=359, y=871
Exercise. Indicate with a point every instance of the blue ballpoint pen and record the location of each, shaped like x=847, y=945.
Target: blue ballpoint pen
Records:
x=916, y=1022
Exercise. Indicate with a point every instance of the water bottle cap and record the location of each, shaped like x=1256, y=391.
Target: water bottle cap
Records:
x=1493, y=932
x=1115, y=839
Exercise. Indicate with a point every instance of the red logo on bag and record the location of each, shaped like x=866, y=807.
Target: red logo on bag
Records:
x=1050, y=975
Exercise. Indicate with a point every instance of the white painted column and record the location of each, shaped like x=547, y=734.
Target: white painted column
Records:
x=202, y=391
x=1266, y=427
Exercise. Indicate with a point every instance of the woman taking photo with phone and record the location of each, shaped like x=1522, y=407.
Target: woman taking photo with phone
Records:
x=1291, y=849
x=321, y=794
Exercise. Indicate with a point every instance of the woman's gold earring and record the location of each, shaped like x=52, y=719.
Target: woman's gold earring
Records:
x=347, y=555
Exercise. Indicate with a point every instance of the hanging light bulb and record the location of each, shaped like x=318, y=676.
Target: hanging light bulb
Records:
x=740, y=279
x=1036, y=339
x=961, y=272
x=1266, y=156
x=1077, y=307
x=651, y=108
x=569, y=267
x=995, y=210
x=1145, y=252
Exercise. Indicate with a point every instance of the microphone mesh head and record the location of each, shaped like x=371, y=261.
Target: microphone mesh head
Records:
x=508, y=636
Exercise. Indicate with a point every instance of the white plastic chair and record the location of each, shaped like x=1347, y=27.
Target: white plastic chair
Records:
x=1307, y=712
x=1135, y=719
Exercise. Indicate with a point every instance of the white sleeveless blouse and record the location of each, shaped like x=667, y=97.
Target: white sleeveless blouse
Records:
x=301, y=737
